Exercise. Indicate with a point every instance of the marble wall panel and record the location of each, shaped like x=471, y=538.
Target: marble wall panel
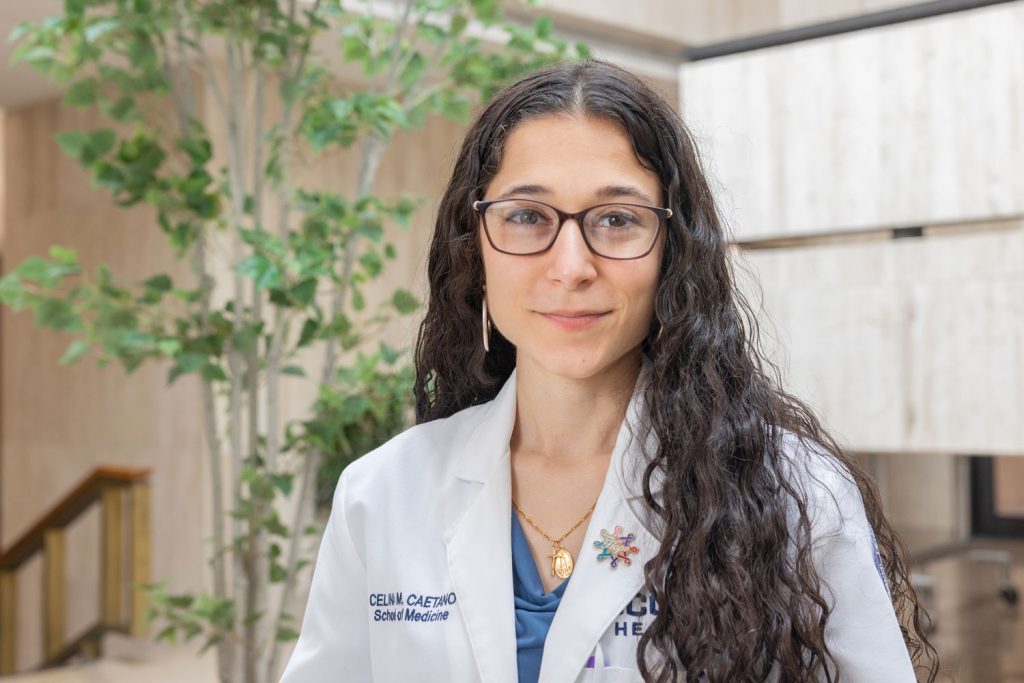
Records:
x=904, y=345
x=912, y=124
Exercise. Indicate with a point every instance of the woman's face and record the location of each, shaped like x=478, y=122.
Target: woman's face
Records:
x=570, y=163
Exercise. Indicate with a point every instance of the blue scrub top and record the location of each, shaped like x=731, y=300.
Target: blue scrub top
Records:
x=535, y=609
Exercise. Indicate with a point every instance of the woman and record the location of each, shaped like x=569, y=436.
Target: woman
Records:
x=588, y=379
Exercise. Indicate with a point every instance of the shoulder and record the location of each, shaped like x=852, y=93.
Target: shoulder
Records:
x=823, y=483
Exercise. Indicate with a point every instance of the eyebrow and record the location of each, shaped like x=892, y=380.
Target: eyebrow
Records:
x=606, y=192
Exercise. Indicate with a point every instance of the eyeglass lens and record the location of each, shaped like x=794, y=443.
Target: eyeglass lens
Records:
x=521, y=226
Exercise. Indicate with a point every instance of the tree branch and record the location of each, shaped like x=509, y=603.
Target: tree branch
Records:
x=186, y=109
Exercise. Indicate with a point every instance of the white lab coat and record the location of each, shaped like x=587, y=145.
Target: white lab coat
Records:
x=413, y=581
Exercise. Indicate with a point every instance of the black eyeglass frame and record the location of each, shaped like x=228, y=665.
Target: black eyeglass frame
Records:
x=480, y=206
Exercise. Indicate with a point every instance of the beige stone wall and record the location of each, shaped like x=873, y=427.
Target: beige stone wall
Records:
x=913, y=124
x=905, y=345
x=910, y=345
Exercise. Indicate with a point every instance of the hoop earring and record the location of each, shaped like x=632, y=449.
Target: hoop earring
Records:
x=485, y=323
x=657, y=337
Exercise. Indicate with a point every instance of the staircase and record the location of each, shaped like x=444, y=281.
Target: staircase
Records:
x=123, y=495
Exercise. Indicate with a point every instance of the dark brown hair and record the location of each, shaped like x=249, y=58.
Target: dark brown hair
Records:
x=739, y=597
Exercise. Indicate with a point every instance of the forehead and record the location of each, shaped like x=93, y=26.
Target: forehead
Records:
x=574, y=159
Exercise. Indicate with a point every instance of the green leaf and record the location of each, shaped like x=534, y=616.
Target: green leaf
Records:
x=253, y=618
x=388, y=354
x=159, y=283
x=20, y=31
x=371, y=230
x=198, y=149
x=309, y=330
x=169, y=347
x=58, y=314
x=168, y=633
x=458, y=25
x=354, y=48
x=543, y=27
x=71, y=142
x=120, y=110
x=81, y=93
x=371, y=263
x=38, y=56
x=413, y=71
x=100, y=28
x=295, y=370
x=63, y=255
x=11, y=291
x=180, y=601
x=283, y=483
x=33, y=268
x=304, y=291
x=188, y=362
x=455, y=107
x=75, y=350
x=214, y=373
x=404, y=302
x=403, y=210
x=246, y=339
x=286, y=634
x=101, y=141
x=274, y=525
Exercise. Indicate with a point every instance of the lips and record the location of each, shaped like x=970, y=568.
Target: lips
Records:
x=574, y=320
x=573, y=314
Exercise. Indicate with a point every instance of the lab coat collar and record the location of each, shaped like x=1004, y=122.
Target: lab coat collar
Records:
x=479, y=541
x=487, y=446
x=480, y=554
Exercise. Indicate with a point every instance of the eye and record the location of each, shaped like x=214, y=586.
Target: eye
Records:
x=524, y=217
x=619, y=219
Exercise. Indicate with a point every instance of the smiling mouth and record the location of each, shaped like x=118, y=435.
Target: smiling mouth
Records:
x=574, y=321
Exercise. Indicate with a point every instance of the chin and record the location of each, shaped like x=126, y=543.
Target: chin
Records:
x=573, y=365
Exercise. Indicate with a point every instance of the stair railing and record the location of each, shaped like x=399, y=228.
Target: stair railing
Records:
x=123, y=495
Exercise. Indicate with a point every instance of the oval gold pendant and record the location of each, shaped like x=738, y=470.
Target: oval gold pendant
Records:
x=561, y=563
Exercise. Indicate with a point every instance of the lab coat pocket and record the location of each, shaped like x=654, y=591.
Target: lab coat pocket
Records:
x=596, y=672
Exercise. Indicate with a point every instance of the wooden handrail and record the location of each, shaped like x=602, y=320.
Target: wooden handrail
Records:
x=110, y=488
x=67, y=510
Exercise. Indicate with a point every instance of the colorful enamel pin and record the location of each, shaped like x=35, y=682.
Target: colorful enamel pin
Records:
x=616, y=546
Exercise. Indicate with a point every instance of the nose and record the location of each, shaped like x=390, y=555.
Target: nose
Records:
x=572, y=261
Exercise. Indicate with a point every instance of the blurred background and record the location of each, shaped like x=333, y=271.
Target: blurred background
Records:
x=868, y=157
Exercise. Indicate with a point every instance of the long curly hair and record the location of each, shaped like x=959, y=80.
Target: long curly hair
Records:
x=739, y=597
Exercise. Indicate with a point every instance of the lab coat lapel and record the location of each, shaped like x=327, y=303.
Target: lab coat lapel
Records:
x=479, y=541
x=597, y=593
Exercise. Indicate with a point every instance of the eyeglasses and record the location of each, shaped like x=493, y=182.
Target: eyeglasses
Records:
x=617, y=231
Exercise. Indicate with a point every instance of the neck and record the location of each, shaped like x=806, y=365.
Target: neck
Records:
x=569, y=420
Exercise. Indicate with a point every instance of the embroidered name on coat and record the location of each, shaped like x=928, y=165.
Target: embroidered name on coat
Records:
x=630, y=621
x=415, y=607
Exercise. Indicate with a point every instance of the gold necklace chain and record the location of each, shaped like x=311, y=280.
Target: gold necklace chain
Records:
x=561, y=538
x=562, y=562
